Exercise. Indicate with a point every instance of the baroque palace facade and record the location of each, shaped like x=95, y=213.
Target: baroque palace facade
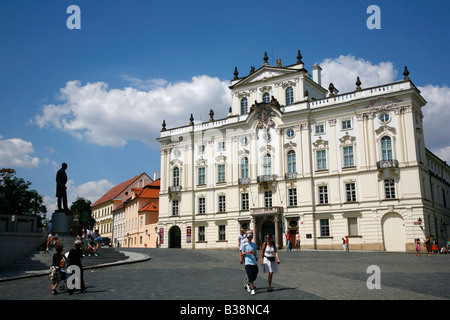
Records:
x=292, y=156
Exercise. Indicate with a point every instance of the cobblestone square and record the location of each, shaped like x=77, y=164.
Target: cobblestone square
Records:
x=184, y=275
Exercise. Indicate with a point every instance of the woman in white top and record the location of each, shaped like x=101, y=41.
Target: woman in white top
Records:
x=269, y=259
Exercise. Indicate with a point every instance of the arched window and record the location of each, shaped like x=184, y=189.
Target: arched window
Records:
x=289, y=96
x=267, y=164
x=386, y=148
x=244, y=106
x=176, y=177
x=291, y=161
x=244, y=168
x=266, y=97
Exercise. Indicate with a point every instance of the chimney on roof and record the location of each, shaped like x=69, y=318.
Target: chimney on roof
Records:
x=317, y=74
x=155, y=175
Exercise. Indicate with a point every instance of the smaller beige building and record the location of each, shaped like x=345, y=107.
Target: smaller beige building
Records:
x=102, y=209
x=137, y=218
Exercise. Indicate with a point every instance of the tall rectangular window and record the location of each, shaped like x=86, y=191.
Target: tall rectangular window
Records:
x=268, y=199
x=321, y=159
x=323, y=194
x=352, y=226
x=222, y=236
x=389, y=188
x=291, y=161
x=175, y=207
x=324, y=227
x=244, y=168
x=201, y=205
x=244, y=201
x=176, y=177
x=289, y=96
x=292, y=197
x=201, y=175
x=348, y=156
x=386, y=148
x=201, y=233
x=221, y=173
x=222, y=206
x=350, y=192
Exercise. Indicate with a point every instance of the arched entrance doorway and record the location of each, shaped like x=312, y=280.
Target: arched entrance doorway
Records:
x=175, y=237
x=393, y=232
x=268, y=228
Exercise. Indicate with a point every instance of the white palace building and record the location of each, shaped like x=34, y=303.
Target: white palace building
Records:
x=294, y=156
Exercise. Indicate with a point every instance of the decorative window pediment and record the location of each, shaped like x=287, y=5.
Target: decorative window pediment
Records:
x=176, y=162
x=221, y=159
x=320, y=144
x=347, y=140
x=290, y=144
x=385, y=129
x=201, y=162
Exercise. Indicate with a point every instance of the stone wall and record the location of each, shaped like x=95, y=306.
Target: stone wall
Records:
x=16, y=245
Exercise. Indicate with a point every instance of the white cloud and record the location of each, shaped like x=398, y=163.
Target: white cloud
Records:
x=111, y=117
x=91, y=190
x=436, y=120
x=344, y=70
x=16, y=152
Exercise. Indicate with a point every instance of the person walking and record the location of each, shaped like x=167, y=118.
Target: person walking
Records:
x=269, y=254
x=288, y=241
x=249, y=253
x=75, y=257
x=242, y=239
x=56, y=274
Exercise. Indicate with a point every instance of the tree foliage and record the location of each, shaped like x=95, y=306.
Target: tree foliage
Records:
x=82, y=205
x=16, y=197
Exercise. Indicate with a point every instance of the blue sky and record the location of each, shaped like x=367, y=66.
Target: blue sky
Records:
x=95, y=97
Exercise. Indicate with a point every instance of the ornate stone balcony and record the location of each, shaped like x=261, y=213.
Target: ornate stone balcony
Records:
x=267, y=178
x=244, y=181
x=290, y=175
x=266, y=211
x=175, y=189
x=383, y=164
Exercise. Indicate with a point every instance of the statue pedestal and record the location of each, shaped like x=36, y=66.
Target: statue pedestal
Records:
x=61, y=222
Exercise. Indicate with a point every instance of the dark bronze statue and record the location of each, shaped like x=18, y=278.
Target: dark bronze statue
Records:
x=61, y=194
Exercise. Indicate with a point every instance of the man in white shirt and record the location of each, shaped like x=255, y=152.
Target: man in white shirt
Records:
x=249, y=254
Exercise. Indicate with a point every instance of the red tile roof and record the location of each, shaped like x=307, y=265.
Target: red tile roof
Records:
x=153, y=206
x=115, y=191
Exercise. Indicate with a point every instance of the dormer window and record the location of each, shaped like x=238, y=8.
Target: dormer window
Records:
x=289, y=96
x=244, y=106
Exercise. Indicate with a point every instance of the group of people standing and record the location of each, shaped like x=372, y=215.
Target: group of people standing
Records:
x=269, y=259
x=289, y=243
x=60, y=263
x=432, y=246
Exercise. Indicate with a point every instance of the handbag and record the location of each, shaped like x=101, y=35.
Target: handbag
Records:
x=270, y=258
